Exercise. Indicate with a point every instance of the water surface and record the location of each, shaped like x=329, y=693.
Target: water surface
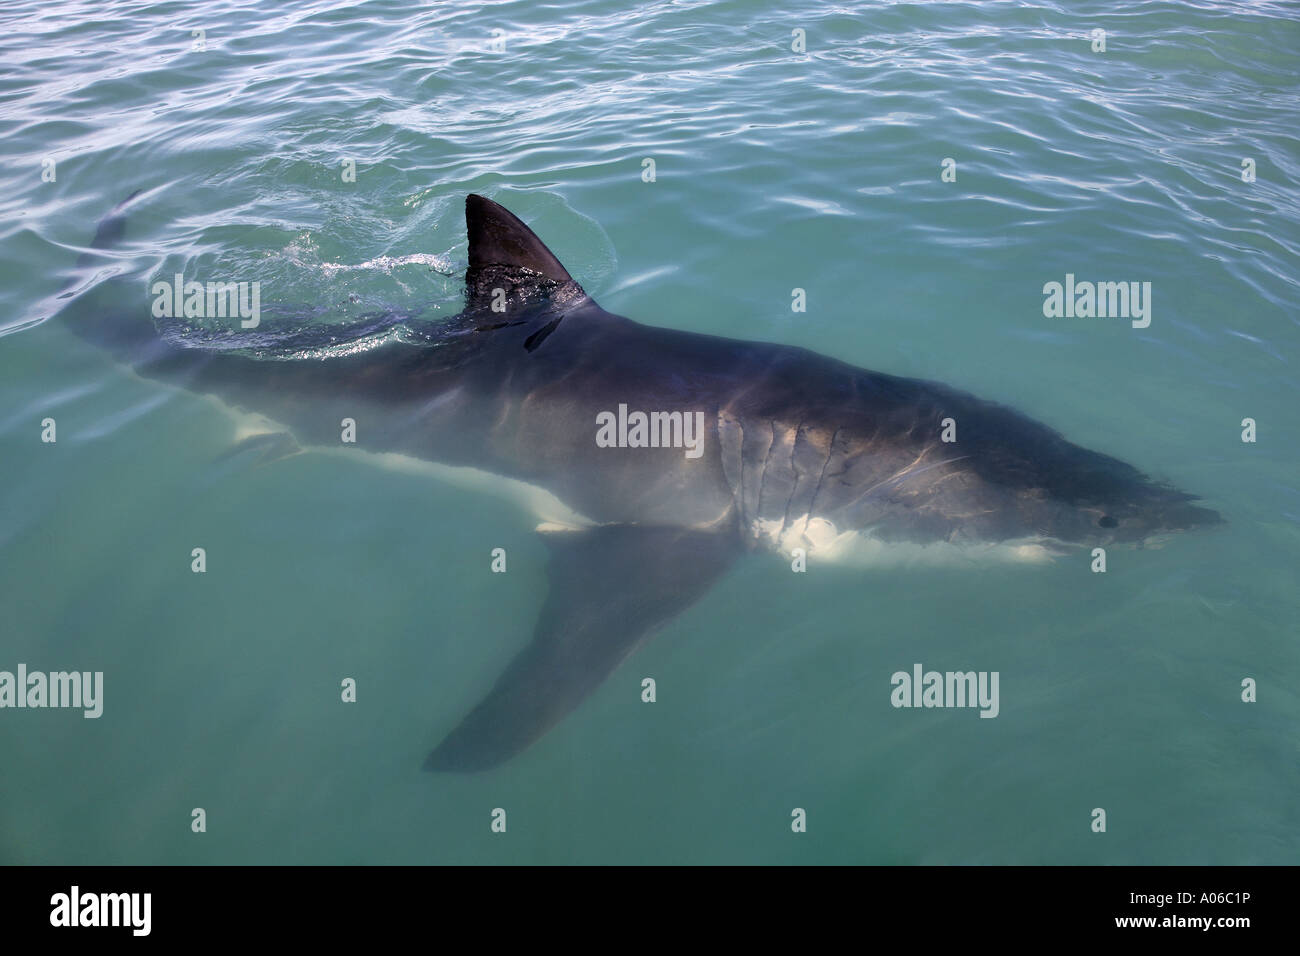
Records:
x=775, y=170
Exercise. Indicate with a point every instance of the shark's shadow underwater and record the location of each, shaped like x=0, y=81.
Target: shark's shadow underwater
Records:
x=797, y=451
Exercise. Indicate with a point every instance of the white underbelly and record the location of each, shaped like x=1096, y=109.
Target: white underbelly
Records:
x=823, y=542
x=533, y=500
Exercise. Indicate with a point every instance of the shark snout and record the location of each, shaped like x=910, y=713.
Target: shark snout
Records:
x=1153, y=523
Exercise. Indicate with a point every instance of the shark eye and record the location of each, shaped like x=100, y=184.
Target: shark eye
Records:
x=1106, y=521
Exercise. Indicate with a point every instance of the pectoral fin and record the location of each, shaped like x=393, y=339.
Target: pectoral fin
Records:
x=611, y=587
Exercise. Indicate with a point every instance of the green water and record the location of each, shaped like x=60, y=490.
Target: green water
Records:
x=775, y=170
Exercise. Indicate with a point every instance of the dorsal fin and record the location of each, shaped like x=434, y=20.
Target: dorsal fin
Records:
x=498, y=238
x=510, y=269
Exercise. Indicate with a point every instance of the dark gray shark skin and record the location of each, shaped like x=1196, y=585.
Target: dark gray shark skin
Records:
x=793, y=441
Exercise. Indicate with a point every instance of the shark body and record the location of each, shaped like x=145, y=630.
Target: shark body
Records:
x=797, y=450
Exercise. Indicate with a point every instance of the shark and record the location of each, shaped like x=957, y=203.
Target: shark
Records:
x=653, y=458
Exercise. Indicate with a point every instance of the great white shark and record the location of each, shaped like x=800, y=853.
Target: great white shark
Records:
x=796, y=451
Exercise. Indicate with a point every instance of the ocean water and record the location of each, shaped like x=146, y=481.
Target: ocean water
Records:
x=775, y=170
